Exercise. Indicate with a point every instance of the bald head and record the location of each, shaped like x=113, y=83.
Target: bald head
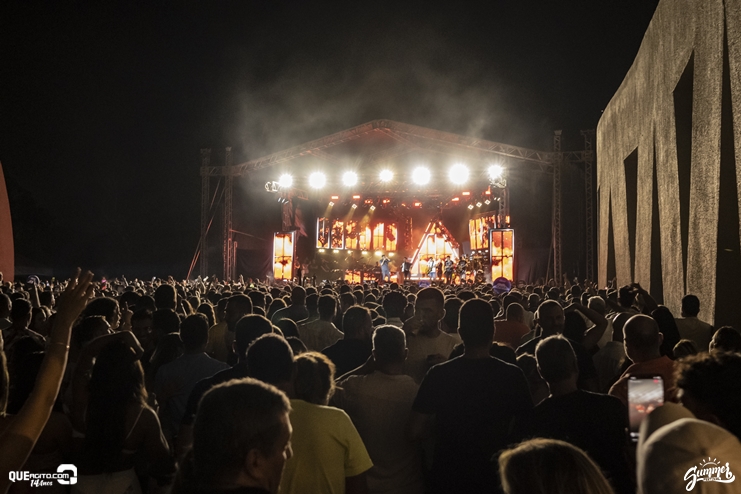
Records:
x=642, y=338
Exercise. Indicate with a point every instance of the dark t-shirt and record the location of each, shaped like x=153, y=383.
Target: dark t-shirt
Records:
x=237, y=372
x=596, y=423
x=348, y=354
x=584, y=361
x=474, y=402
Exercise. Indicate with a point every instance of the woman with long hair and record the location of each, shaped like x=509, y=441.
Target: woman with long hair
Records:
x=117, y=422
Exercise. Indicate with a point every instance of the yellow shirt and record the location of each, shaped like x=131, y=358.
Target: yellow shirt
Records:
x=216, y=346
x=326, y=449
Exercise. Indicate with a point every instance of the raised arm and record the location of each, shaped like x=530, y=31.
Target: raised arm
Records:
x=593, y=334
x=17, y=441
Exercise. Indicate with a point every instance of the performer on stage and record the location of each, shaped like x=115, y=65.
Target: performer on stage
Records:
x=406, y=268
x=462, y=264
x=385, y=269
x=448, y=270
x=431, y=268
x=439, y=268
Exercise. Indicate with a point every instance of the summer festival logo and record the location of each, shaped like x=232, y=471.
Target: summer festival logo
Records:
x=710, y=470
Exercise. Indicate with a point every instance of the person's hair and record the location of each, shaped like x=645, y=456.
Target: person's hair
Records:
x=312, y=300
x=549, y=466
x=452, y=311
x=242, y=302
x=466, y=295
x=165, y=321
x=141, y=315
x=116, y=381
x=165, y=297
x=20, y=310
x=208, y=311
x=626, y=296
x=597, y=304
x=714, y=380
x=87, y=329
x=389, y=343
x=104, y=306
x=668, y=327
x=257, y=298
x=314, y=378
x=270, y=359
x=354, y=319
x=348, y=299
x=288, y=327
x=234, y=418
x=169, y=347
x=476, y=323
x=574, y=327
x=298, y=295
x=556, y=359
x=326, y=306
x=690, y=305
x=431, y=293
x=515, y=311
x=275, y=306
x=726, y=339
x=685, y=348
x=393, y=304
x=145, y=302
x=296, y=345
x=248, y=329
x=194, y=332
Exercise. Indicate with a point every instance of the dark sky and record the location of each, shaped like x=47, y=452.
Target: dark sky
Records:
x=105, y=105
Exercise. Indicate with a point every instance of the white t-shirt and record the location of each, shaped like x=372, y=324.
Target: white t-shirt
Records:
x=379, y=405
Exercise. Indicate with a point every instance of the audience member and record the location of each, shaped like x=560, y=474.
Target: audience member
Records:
x=321, y=333
x=726, y=339
x=692, y=328
x=297, y=311
x=354, y=349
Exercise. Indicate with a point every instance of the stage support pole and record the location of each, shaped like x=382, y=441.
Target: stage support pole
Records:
x=589, y=202
x=556, y=220
x=227, y=247
x=205, y=206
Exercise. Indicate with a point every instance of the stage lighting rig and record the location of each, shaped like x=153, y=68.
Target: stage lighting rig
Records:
x=458, y=174
x=349, y=179
x=285, y=181
x=421, y=175
x=386, y=175
x=496, y=176
x=317, y=180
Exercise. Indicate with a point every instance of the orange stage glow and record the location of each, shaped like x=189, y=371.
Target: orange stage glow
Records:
x=502, y=254
x=283, y=256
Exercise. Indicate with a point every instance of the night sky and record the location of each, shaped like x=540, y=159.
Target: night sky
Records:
x=105, y=105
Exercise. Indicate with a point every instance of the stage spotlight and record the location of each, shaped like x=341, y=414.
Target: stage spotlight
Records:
x=391, y=254
x=495, y=172
x=372, y=208
x=317, y=180
x=365, y=252
x=455, y=199
x=470, y=206
x=378, y=252
x=417, y=204
x=350, y=178
x=386, y=175
x=354, y=206
x=321, y=250
x=334, y=198
x=421, y=175
x=458, y=174
x=285, y=181
x=331, y=203
x=335, y=251
x=478, y=204
x=487, y=202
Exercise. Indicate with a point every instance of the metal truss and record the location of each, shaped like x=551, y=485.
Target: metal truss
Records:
x=556, y=221
x=205, y=207
x=589, y=202
x=227, y=226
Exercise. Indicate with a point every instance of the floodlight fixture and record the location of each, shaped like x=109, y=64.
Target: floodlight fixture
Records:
x=349, y=179
x=386, y=175
x=421, y=175
x=495, y=172
x=478, y=204
x=487, y=202
x=355, y=206
x=458, y=174
x=317, y=180
x=470, y=206
x=372, y=208
x=285, y=181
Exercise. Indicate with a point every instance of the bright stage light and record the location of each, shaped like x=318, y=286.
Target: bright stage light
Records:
x=386, y=175
x=495, y=172
x=478, y=204
x=372, y=208
x=335, y=251
x=378, y=253
x=317, y=180
x=487, y=202
x=470, y=206
x=331, y=203
x=421, y=175
x=349, y=178
x=285, y=181
x=355, y=206
x=458, y=174
x=391, y=254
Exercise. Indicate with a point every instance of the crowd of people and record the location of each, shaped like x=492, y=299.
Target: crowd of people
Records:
x=194, y=387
